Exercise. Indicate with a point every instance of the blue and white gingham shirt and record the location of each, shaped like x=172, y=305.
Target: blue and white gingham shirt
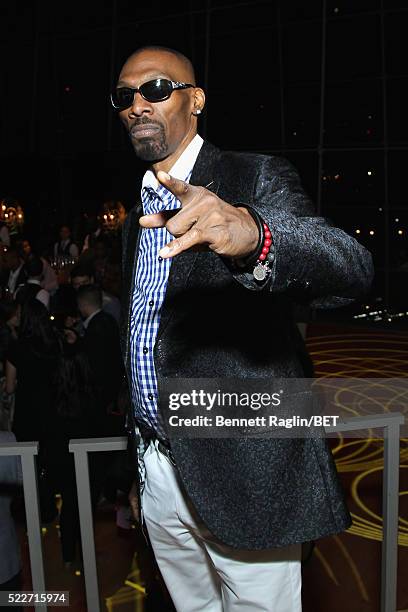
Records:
x=150, y=287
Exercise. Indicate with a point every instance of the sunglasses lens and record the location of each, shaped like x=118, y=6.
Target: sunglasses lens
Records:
x=157, y=90
x=152, y=91
x=122, y=98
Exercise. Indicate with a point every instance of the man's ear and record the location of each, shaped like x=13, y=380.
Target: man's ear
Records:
x=199, y=101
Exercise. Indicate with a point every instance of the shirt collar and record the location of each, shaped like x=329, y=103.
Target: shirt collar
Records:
x=182, y=167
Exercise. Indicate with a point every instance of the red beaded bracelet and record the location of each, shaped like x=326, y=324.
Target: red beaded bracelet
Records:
x=266, y=257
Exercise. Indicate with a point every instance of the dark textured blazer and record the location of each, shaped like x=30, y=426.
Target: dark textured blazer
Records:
x=216, y=322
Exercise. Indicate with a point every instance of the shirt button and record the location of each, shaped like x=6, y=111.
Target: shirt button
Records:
x=145, y=350
x=151, y=303
x=150, y=396
x=160, y=258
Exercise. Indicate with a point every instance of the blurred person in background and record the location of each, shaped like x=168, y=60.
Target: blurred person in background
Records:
x=111, y=282
x=14, y=272
x=4, y=234
x=100, y=258
x=49, y=280
x=9, y=321
x=65, y=247
x=25, y=249
x=100, y=349
x=74, y=401
x=107, y=225
x=95, y=231
x=83, y=275
x=101, y=345
x=3, y=268
x=31, y=365
x=32, y=287
x=30, y=370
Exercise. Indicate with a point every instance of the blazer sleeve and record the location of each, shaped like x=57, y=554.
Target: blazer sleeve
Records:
x=315, y=262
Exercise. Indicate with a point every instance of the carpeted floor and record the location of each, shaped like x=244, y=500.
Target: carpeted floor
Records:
x=344, y=572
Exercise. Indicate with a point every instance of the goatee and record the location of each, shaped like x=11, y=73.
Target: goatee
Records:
x=150, y=148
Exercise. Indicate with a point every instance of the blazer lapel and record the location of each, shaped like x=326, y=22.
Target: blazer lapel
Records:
x=204, y=174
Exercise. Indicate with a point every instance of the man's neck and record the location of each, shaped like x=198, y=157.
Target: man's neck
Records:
x=167, y=163
x=90, y=317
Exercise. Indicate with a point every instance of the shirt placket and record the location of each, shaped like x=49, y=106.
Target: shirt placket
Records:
x=153, y=290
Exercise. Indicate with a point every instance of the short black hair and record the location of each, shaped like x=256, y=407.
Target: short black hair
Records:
x=34, y=266
x=81, y=269
x=91, y=294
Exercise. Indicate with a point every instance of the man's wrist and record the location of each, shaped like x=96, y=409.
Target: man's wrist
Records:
x=261, y=260
x=250, y=260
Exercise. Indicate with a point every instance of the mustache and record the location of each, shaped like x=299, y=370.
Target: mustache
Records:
x=144, y=121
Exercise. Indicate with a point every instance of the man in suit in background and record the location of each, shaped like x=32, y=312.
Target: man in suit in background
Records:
x=220, y=248
x=65, y=247
x=32, y=288
x=102, y=370
x=101, y=346
x=15, y=273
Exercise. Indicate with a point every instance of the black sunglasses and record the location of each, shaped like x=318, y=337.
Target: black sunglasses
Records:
x=152, y=91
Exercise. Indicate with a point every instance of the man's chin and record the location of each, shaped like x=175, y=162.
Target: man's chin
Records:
x=149, y=151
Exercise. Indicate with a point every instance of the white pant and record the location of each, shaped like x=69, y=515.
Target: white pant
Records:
x=202, y=574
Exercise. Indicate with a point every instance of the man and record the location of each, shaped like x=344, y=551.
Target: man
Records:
x=209, y=292
x=65, y=247
x=49, y=280
x=95, y=373
x=83, y=275
x=4, y=234
x=96, y=231
x=101, y=344
x=17, y=275
x=32, y=288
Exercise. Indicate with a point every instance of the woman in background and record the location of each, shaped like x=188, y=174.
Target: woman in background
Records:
x=9, y=322
x=32, y=359
x=30, y=372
